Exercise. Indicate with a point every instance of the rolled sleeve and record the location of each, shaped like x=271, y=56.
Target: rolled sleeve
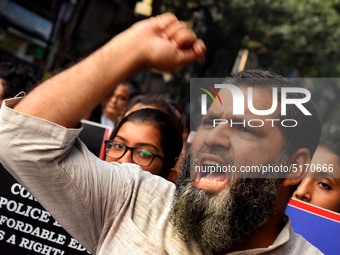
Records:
x=29, y=144
x=77, y=188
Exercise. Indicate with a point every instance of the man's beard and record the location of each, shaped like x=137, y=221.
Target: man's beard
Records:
x=214, y=222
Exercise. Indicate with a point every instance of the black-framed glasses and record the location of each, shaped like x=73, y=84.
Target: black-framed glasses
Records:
x=139, y=155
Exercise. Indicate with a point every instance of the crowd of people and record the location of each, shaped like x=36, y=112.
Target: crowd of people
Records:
x=149, y=202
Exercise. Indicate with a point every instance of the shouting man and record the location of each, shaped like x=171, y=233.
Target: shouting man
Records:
x=113, y=208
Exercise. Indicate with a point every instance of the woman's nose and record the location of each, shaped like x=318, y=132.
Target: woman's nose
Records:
x=304, y=192
x=126, y=158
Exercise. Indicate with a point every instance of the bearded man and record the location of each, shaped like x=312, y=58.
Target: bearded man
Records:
x=231, y=210
x=113, y=208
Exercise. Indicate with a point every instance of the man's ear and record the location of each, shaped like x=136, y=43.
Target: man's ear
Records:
x=299, y=163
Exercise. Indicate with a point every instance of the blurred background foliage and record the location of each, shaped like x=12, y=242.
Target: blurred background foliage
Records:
x=294, y=38
x=286, y=36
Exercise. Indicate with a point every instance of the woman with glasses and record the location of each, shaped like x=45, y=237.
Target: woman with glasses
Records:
x=147, y=137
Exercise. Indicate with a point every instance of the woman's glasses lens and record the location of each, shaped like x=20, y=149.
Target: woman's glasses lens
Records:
x=140, y=156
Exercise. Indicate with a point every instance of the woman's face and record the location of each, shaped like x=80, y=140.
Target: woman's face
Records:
x=323, y=192
x=144, y=136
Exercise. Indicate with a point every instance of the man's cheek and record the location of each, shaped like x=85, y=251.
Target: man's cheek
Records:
x=197, y=142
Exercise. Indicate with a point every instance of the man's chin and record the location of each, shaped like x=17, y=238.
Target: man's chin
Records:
x=215, y=216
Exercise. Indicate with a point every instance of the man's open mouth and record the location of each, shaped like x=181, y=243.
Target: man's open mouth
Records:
x=211, y=174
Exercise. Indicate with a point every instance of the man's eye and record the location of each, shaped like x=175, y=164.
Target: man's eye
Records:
x=121, y=98
x=243, y=129
x=208, y=122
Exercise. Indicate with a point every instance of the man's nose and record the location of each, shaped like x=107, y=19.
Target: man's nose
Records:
x=113, y=99
x=218, y=136
x=304, y=191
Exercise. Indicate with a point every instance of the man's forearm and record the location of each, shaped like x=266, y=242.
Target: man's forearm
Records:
x=161, y=42
x=68, y=96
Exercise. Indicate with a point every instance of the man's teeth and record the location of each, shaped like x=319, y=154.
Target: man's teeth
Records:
x=210, y=163
x=210, y=182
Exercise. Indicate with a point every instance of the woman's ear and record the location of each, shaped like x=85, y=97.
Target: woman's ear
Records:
x=172, y=175
x=299, y=164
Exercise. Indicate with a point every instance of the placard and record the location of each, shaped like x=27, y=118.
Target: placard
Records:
x=319, y=226
x=26, y=227
x=93, y=136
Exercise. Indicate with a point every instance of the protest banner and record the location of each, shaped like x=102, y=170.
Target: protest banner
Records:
x=319, y=226
x=26, y=227
x=93, y=136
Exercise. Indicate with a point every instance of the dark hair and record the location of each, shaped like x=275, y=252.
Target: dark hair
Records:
x=307, y=133
x=161, y=103
x=132, y=87
x=16, y=78
x=331, y=140
x=171, y=138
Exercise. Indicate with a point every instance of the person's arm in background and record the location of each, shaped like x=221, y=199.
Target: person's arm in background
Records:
x=161, y=42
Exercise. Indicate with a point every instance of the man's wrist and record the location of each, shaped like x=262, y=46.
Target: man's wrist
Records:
x=130, y=49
